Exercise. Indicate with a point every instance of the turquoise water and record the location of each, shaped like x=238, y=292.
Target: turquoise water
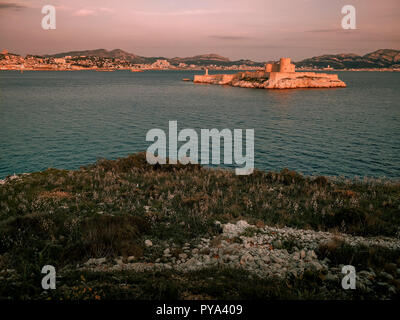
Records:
x=69, y=119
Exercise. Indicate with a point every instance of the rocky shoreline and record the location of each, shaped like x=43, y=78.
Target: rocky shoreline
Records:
x=280, y=75
x=285, y=83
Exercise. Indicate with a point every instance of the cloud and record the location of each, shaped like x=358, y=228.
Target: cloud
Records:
x=92, y=12
x=12, y=6
x=84, y=13
x=325, y=30
x=108, y=10
x=63, y=8
x=177, y=13
x=223, y=37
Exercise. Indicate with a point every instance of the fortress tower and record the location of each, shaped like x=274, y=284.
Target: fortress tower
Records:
x=285, y=65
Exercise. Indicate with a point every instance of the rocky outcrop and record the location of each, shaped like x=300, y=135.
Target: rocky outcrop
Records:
x=281, y=75
x=308, y=80
x=304, y=82
x=266, y=252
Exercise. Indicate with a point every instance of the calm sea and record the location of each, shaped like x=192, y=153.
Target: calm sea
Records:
x=69, y=119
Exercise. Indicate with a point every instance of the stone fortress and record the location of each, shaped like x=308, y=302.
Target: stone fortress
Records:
x=281, y=75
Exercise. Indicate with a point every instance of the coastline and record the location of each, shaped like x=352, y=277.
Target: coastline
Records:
x=203, y=68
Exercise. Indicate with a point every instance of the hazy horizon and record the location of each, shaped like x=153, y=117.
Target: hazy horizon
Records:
x=254, y=30
x=199, y=54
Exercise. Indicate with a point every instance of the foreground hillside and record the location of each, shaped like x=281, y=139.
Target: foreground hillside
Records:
x=125, y=229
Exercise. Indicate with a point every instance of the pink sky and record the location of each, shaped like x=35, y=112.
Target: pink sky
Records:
x=253, y=29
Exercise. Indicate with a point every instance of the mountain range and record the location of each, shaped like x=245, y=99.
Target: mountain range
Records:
x=204, y=59
x=382, y=58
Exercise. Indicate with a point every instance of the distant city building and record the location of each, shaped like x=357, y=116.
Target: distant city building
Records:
x=161, y=64
x=59, y=60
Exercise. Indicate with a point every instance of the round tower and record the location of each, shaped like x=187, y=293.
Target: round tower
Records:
x=285, y=65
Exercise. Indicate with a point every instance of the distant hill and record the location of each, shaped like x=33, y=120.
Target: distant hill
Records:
x=382, y=58
x=116, y=53
x=210, y=57
x=389, y=56
x=204, y=59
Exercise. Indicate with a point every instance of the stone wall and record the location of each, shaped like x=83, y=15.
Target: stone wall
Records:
x=220, y=78
x=272, y=67
x=253, y=74
x=286, y=66
x=295, y=75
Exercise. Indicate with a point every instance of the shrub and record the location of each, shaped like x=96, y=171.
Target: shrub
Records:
x=111, y=236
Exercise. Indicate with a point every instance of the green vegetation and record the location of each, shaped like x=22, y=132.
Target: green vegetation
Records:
x=362, y=257
x=110, y=208
x=206, y=284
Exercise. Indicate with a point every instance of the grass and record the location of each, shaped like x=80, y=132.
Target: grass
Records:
x=362, y=257
x=206, y=284
x=108, y=209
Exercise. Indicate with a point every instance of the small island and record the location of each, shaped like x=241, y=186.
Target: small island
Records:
x=280, y=75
